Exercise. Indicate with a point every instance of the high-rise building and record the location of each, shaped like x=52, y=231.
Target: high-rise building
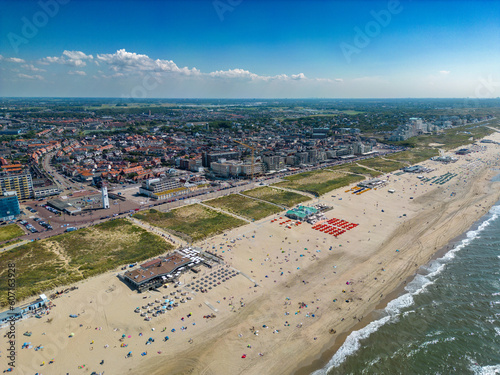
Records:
x=21, y=183
x=105, y=198
x=9, y=206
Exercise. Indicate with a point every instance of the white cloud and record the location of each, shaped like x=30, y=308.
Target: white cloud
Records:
x=32, y=68
x=298, y=76
x=444, y=72
x=77, y=55
x=123, y=64
x=52, y=59
x=281, y=77
x=327, y=80
x=77, y=72
x=233, y=73
x=70, y=58
x=123, y=61
x=26, y=76
x=14, y=59
x=245, y=74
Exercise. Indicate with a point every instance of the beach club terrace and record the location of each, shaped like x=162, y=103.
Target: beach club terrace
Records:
x=416, y=169
x=154, y=273
x=19, y=312
x=372, y=184
x=301, y=213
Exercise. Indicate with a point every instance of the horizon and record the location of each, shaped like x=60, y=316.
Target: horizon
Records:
x=232, y=49
x=237, y=98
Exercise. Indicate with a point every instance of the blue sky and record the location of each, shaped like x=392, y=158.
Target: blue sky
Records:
x=250, y=48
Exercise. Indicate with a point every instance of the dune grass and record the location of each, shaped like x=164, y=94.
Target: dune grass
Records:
x=10, y=232
x=193, y=222
x=277, y=196
x=319, y=182
x=74, y=256
x=244, y=206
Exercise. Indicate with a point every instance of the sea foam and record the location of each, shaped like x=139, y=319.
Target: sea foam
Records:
x=416, y=286
x=485, y=370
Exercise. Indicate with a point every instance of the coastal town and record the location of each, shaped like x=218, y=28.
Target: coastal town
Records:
x=233, y=187
x=226, y=215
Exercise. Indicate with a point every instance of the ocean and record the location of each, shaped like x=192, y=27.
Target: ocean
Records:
x=446, y=322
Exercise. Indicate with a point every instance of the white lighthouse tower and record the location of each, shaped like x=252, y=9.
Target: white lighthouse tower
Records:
x=105, y=198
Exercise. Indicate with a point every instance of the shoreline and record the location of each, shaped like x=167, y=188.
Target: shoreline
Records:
x=471, y=197
x=420, y=219
x=326, y=355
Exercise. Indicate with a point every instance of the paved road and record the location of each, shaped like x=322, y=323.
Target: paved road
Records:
x=61, y=181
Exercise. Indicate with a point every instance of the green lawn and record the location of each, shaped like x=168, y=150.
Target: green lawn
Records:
x=73, y=256
x=319, y=182
x=10, y=232
x=246, y=207
x=193, y=222
x=285, y=198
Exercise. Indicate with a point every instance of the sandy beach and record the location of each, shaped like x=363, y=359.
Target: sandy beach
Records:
x=298, y=291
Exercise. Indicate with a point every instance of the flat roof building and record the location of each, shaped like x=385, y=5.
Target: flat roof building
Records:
x=301, y=212
x=371, y=183
x=159, y=271
x=162, y=188
x=20, y=311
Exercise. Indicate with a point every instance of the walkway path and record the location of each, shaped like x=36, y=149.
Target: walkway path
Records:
x=263, y=201
x=370, y=168
x=312, y=196
x=399, y=161
x=226, y=212
x=176, y=241
x=17, y=244
x=248, y=277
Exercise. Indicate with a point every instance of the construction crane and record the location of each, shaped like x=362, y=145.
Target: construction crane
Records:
x=253, y=150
